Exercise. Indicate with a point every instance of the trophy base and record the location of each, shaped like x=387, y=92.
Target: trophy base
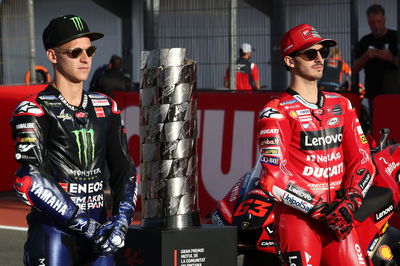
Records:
x=208, y=245
x=191, y=219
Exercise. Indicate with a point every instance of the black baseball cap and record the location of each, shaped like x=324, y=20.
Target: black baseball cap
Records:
x=67, y=28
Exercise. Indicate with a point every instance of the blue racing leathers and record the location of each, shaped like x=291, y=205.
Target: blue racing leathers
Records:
x=64, y=152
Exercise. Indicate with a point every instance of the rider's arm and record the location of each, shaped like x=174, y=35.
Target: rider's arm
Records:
x=34, y=184
x=358, y=164
x=122, y=170
x=274, y=138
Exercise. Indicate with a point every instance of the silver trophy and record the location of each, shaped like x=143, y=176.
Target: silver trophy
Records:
x=168, y=140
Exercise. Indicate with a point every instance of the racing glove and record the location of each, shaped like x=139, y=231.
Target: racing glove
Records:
x=84, y=225
x=338, y=215
x=111, y=235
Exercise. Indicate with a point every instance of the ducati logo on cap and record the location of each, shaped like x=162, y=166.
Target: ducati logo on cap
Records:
x=308, y=34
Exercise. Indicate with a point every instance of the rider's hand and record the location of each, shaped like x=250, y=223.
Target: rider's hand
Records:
x=339, y=217
x=84, y=225
x=111, y=235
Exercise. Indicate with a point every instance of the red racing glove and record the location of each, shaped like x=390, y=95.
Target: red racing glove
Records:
x=338, y=215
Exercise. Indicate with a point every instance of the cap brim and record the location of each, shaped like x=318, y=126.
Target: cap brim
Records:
x=91, y=35
x=324, y=42
x=327, y=42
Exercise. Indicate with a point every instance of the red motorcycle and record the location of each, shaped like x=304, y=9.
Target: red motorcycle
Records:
x=377, y=222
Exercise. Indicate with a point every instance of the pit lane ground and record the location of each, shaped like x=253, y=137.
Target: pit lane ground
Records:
x=13, y=229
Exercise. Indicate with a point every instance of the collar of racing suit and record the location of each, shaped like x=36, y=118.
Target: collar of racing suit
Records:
x=298, y=97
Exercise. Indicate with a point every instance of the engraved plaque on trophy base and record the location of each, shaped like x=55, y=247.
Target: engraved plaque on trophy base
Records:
x=209, y=245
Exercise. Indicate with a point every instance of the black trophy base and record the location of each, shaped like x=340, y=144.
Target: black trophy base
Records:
x=208, y=245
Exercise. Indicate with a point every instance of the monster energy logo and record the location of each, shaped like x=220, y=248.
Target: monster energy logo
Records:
x=78, y=23
x=84, y=138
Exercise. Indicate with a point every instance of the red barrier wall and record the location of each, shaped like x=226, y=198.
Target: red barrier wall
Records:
x=226, y=142
x=386, y=110
x=10, y=96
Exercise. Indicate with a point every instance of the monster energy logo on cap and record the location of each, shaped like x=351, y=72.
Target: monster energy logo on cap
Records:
x=85, y=142
x=67, y=28
x=78, y=23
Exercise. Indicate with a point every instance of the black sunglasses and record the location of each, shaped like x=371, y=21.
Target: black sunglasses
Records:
x=76, y=52
x=311, y=54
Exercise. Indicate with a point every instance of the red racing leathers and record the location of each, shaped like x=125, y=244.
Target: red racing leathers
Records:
x=310, y=151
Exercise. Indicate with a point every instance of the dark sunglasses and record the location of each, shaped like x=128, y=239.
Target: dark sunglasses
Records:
x=76, y=52
x=311, y=54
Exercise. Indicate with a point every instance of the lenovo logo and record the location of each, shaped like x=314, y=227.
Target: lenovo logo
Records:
x=321, y=139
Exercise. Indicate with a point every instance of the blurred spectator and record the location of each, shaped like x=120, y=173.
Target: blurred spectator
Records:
x=376, y=53
x=247, y=76
x=100, y=71
x=337, y=73
x=113, y=79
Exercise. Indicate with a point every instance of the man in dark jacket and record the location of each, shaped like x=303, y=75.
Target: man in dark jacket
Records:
x=115, y=79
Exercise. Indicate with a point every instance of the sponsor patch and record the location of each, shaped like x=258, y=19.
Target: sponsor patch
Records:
x=85, y=188
x=270, y=151
x=363, y=139
x=19, y=156
x=52, y=104
x=25, y=125
x=303, y=112
x=337, y=110
x=385, y=252
x=359, y=130
x=270, y=160
x=365, y=182
x=384, y=212
x=47, y=97
x=269, y=131
x=81, y=114
x=300, y=192
x=49, y=198
x=97, y=96
x=269, y=141
x=266, y=243
x=99, y=112
x=24, y=147
x=333, y=121
x=294, y=258
x=321, y=139
x=305, y=118
x=360, y=254
x=296, y=202
x=63, y=115
x=332, y=96
x=289, y=102
x=26, y=139
x=324, y=186
x=373, y=245
x=360, y=171
x=270, y=113
x=323, y=172
x=28, y=108
x=324, y=158
x=100, y=102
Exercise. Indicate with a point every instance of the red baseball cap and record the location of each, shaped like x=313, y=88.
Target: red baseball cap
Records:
x=301, y=37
